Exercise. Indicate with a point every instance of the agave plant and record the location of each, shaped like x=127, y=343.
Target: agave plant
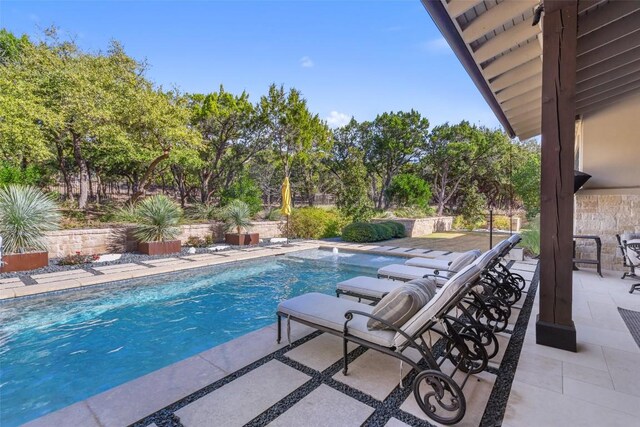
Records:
x=237, y=215
x=26, y=214
x=157, y=218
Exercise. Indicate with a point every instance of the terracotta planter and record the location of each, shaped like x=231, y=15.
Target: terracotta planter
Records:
x=242, y=239
x=159, y=248
x=24, y=262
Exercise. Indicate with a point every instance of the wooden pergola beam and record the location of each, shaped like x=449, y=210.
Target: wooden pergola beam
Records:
x=514, y=58
x=614, y=74
x=607, y=89
x=495, y=17
x=605, y=35
x=610, y=50
x=517, y=74
x=604, y=67
x=458, y=7
x=554, y=326
x=606, y=15
x=506, y=40
x=519, y=88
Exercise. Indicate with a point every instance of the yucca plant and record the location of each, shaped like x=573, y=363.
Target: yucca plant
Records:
x=26, y=214
x=236, y=216
x=157, y=219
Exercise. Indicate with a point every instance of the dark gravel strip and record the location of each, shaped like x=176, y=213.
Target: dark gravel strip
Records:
x=497, y=404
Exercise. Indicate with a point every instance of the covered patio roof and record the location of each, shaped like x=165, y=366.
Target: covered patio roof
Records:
x=501, y=49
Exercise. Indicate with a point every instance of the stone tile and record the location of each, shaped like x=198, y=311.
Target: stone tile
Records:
x=243, y=399
x=9, y=285
x=527, y=275
x=606, y=337
x=503, y=343
x=374, y=373
x=74, y=415
x=476, y=392
x=436, y=254
x=601, y=396
x=586, y=375
x=248, y=348
x=532, y=406
x=77, y=274
x=624, y=368
x=319, y=353
x=394, y=422
x=540, y=371
x=164, y=261
x=399, y=250
x=589, y=355
x=521, y=266
x=325, y=407
x=10, y=280
x=59, y=274
x=153, y=391
x=120, y=268
x=199, y=257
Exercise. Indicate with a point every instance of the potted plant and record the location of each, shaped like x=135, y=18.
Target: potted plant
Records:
x=157, y=228
x=26, y=214
x=237, y=216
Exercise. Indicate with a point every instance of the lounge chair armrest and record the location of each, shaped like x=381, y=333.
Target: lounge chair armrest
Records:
x=349, y=315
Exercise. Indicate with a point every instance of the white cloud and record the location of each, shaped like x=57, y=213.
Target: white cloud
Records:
x=336, y=119
x=438, y=45
x=306, y=62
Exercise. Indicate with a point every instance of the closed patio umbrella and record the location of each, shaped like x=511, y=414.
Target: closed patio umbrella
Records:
x=286, y=202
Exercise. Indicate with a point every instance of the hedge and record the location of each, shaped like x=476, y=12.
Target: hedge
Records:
x=364, y=232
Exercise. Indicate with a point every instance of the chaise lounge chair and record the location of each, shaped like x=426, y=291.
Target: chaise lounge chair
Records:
x=441, y=263
x=444, y=400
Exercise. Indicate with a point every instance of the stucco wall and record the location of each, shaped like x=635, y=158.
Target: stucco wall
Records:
x=104, y=240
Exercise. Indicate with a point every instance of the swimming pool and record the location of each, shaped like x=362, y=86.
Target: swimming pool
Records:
x=59, y=349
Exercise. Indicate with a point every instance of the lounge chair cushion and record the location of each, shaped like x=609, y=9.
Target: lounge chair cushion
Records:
x=402, y=303
x=328, y=311
x=368, y=286
x=440, y=264
x=404, y=272
x=464, y=260
x=441, y=301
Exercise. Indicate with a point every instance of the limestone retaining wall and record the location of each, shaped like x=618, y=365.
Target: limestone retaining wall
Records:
x=120, y=239
x=416, y=227
x=605, y=215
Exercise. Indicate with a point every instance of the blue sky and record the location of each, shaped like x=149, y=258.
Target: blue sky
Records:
x=357, y=58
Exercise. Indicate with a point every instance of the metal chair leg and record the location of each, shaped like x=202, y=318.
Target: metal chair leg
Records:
x=634, y=288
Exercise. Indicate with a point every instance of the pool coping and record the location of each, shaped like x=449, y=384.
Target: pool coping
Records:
x=68, y=283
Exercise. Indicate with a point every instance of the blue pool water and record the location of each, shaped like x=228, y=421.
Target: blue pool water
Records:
x=60, y=349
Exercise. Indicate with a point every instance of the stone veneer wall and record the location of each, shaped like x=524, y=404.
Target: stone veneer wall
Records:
x=605, y=216
x=105, y=240
x=423, y=226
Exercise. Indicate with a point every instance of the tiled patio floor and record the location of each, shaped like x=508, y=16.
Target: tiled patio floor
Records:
x=597, y=386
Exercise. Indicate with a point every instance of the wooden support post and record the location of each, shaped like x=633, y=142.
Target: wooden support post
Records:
x=554, y=325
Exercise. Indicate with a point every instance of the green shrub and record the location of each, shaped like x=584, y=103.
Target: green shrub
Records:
x=274, y=214
x=363, y=232
x=26, y=214
x=200, y=242
x=157, y=219
x=315, y=223
x=531, y=237
x=500, y=222
x=360, y=232
x=398, y=228
x=472, y=208
x=246, y=190
x=409, y=190
x=30, y=175
x=458, y=223
x=237, y=216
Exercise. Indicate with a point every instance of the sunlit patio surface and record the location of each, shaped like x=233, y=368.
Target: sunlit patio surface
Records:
x=254, y=381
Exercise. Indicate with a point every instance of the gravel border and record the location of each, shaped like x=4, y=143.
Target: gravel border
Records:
x=127, y=257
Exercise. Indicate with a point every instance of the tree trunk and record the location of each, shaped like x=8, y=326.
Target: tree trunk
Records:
x=144, y=182
x=84, y=172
